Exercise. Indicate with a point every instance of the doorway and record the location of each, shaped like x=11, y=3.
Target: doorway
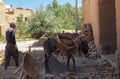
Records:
x=107, y=26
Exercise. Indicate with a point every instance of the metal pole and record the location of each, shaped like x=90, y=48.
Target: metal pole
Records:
x=76, y=15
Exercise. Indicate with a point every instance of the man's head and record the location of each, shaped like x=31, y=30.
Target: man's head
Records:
x=12, y=25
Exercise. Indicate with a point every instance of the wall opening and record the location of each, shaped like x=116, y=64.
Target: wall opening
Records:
x=107, y=25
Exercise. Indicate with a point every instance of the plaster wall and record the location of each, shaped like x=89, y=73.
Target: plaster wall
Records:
x=91, y=15
x=107, y=22
x=86, y=11
x=25, y=13
x=118, y=24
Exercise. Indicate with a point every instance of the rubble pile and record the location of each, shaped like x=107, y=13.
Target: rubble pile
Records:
x=102, y=70
x=87, y=33
x=108, y=49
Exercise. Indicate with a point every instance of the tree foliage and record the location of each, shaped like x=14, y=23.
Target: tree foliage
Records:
x=21, y=25
x=41, y=21
x=53, y=18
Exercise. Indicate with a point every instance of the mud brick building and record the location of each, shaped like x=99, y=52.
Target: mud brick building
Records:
x=10, y=14
x=104, y=16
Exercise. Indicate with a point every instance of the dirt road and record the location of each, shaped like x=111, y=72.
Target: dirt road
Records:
x=22, y=45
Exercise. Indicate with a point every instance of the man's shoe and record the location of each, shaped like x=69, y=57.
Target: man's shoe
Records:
x=5, y=68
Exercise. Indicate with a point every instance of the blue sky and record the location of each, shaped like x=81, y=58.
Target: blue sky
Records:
x=33, y=4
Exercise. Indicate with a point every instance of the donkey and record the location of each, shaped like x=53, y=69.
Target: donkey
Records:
x=50, y=46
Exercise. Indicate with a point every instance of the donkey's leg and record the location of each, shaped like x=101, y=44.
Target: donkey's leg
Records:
x=73, y=62
x=47, y=58
x=46, y=63
x=27, y=77
x=68, y=61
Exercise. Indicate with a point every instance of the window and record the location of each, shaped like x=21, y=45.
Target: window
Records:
x=26, y=18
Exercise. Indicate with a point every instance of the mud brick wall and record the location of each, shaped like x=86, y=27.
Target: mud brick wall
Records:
x=90, y=15
x=101, y=15
x=107, y=25
x=118, y=23
x=87, y=32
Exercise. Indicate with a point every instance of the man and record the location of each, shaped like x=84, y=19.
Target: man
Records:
x=11, y=48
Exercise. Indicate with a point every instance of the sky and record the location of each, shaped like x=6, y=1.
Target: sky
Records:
x=34, y=4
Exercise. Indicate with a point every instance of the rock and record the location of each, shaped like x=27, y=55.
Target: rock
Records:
x=49, y=76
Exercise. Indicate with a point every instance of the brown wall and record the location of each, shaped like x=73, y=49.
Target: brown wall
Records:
x=118, y=23
x=107, y=22
x=90, y=15
x=95, y=21
x=2, y=13
x=101, y=14
x=26, y=13
x=86, y=11
x=6, y=16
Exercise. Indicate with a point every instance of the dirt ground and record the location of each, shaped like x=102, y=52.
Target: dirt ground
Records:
x=23, y=47
x=86, y=68
x=38, y=55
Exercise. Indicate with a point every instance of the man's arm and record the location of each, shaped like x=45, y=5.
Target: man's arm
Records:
x=13, y=38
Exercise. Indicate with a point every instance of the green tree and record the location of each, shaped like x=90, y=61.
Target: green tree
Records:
x=36, y=23
x=54, y=18
x=42, y=21
x=80, y=17
x=21, y=25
